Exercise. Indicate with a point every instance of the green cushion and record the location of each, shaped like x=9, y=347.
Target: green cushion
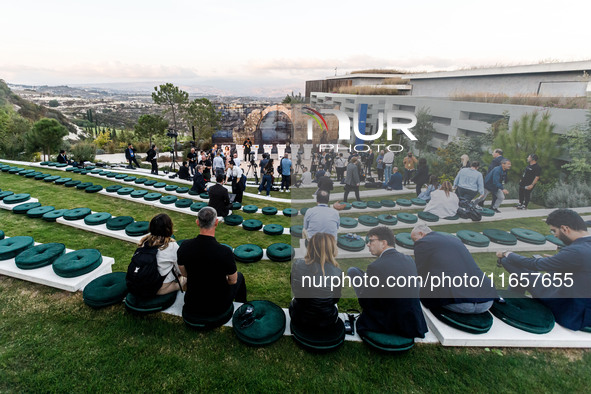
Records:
x=138, y=193
x=359, y=204
x=317, y=340
x=54, y=214
x=448, y=234
x=32, y=174
x=137, y=229
x=407, y=217
x=269, y=211
x=182, y=190
x=150, y=182
x=140, y=180
x=77, y=263
x=478, y=323
x=197, y=206
x=428, y=217
x=500, y=236
x=159, y=185
x=487, y=212
x=303, y=211
x=78, y=170
x=42, y=176
x=524, y=313
x=62, y=181
x=152, y=196
x=221, y=243
x=129, y=178
x=109, y=289
x=121, y=176
x=233, y=220
x=168, y=199
x=419, y=201
x=96, y=171
x=15, y=170
x=388, y=203
x=170, y=188
x=125, y=191
x=44, y=163
x=290, y=212
x=97, y=218
x=454, y=217
x=553, y=239
x=205, y=322
x=374, y=204
x=39, y=211
x=5, y=194
x=26, y=172
x=273, y=229
x=39, y=256
x=193, y=193
x=51, y=178
x=154, y=304
x=104, y=173
x=24, y=208
x=113, y=188
x=347, y=222
x=17, y=198
x=387, y=219
x=525, y=235
x=403, y=202
x=296, y=231
x=348, y=206
x=280, y=252
x=76, y=213
x=386, y=342
x=268, y=326
x=204, y=196
x=473, y=238
x=236, y=206
x=183, y=203
x=72, y=183
x=83, y=185
x=12, y=247
x=350, y=243
x=404, y=240
x=119, y=222
x=1, y=235
x=252, y=225
x=248, y=253
x=250, y=208
x=93, y=189
x=367, y=220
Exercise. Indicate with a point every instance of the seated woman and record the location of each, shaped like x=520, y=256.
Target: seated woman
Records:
x=433, y=185
x=443, y=202
x=314, y=303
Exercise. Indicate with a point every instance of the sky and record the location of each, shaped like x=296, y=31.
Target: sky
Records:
x=271, y=47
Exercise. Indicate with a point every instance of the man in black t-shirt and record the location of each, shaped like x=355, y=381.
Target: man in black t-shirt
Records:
x=247, y=145
x=530, y=177
x=192, y=159
x=212, y=279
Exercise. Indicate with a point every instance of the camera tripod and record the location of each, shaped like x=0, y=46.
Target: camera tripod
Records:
x=252, y=167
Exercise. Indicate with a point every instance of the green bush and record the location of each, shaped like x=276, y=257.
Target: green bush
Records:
x=83, y=151
x=571, y=195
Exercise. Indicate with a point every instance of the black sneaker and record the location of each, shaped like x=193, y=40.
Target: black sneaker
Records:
x=496, y=210
x=481, y=204
x=521, y=206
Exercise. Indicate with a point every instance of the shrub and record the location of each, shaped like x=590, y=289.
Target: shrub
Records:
x=571, y=195
x=83, y=151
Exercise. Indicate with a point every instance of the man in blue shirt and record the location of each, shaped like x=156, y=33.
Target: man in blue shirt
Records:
x=285, y=165
x=321, y=218
x=567, y=294
x=494, y=184
x=395, y=181
x=469, y=182
x=497, y=158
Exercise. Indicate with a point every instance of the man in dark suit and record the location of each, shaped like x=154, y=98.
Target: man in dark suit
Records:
x=219, y=198
x=389, y=309
x=198, y=181
x=151, y=157
x=130, y=156
x=184, y=172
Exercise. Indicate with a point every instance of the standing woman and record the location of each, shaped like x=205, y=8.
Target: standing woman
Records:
x=352, y=179
x=422, y=175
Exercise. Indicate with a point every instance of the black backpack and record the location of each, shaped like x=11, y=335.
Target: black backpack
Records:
x=143, y=278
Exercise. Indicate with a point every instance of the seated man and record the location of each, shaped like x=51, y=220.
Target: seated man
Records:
x=442, y=259
x=212, y=279
x=306, y=177
x=219, y=198
x=395, y=181
x=184, y=171
x=325, y=183
x=199, y=185
x=321, y=218
x=469, y=182
x=389, y=309
x=62, y=158
x=570, y=299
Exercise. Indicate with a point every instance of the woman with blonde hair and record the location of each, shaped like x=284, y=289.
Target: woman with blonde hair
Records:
x=314, y=302
x=465, y=161
x=443, y=202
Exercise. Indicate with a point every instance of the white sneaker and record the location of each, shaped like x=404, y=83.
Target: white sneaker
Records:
x=281, y=190
x=258, y=192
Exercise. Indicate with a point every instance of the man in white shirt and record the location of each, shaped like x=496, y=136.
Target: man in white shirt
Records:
x=235, y=175
x=340, y=166
x=388, y=160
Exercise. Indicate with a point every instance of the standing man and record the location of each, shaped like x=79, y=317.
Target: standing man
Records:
x=218, y=165
x=380, y=166
x=192, y=159
x=235, y=176
x=530, y=177
x=388, y=160
x=340, y=166
x=285, y=165
x=130, y=156
x=263, y=164
x=409, y=167
x=236, y=160
x=247, y=145
x=219, y=198
x=494, y=184
x=152, y=159
x=369, y=159
x=469, y=182
x=496, y=161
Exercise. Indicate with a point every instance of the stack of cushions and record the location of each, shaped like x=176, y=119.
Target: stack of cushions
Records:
x=403, y=202
x=268, y=326
x=454, y=217
x=350, y=243
x=387, y=219
x=137, y=229
x=388, y=203
x=143, y=306
x=553, y=239
x=524, y=313
x=159, y=185
x=204, y=196
x=140, y=180
x=273, y=229
x=168, y=199
x=472, y=323
x=347, y=206
x=252, y=225
x=5, y=194
x=93, y=189
x=359, y=204
x=248, y=253
x=473, y=238
x=120, y=176
x=113, y=188
x=39, y=256
x=170, y=188
x=39, y=212
x=233, y=220
x=386, y=342
x=296, y=231
x=124, y=191
x=269, y=211
x=138, y=193
x=62, y=181
x=524, y=235
x=374, y=204
x=150, y=182
x=487, y=212
x=183, y=203
x=182, y=190
x=250, y=208
x=12, y=247
x=106, y=290
x=42, y=176
x=51, y=178
x=76, y=213
x=291, y=212
x=419, y=201
x=130, y=178
x=347, y=222
x=77, y=263
x=280, y=252
x=119, y=222
x=369, y=221
x=98, y=218
x=407, y=217
x=404, y=240
x=152, y=196
x=303, y=211
x=428, y=217
x=319, y=340
x=197, y=206
x=204, y=322
x=72, y=183
x=24, y=208
x=84, y=185
x=16, y=198
x=500, y=237
x=54, y=214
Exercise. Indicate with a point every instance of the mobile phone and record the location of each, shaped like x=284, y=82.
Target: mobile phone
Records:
x=537, y=256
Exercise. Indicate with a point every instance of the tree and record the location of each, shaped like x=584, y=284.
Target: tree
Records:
x=202, y=114
x=293, y=99
x=46, y=134
x=172, y=97
x=424, y=129
x=149, y=126
x=578, y=144
x=53, y=103
x=13, y=128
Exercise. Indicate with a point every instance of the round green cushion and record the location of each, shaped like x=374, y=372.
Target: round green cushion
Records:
x=154, y=304
x=303, y=211
x=140, y=180
x=109, y=289
x=419, y=201
x=317, y=340
x=62, y=180
x=138, y=193
x=121, y=176
x=487, y=212
x=193, y=193
x=204, y=322
x=96, y=171
x=250, y=208
x=137, y=229
x=159, y=185
x=231, y=248
x=386, y=342
x=403, y=202
x=104, y=173
x=197, y=206
x=5, y=194
x=170, y=188
x=1, y=235
x=129, y=178
x=248, y=253
x=77, y=170
x=388, y=203
x=24, y=208
x=252, y=225
x=269, y=323
x=12, y=247
x=83, y=185
x=236, y=206
x=39, y=211
x=359, y=204
x=76, y=213
x=428, y=217
x=347, y=222
x=374, y=204
x=168, y=199
x=280, y=252
x=387, y=219
x=97, y=218
x=269, y=211
x=125, y=191
x=17, y=198
x=119, y=222
x=291, y=212
x=525, y=235
x=33, y=174
x=182, y=190
x=51, y=178
x=233, y=220
x=296, y=231
x=407, y=217
x=348, y=206
x=500, y=236
x=54, y=214
x=473, y=238
x=150, y=182
x=77, y=263
x=479, y=323
x=39, y=256
x=273, y=229
x=404, y=240
x=93, y=189
x=524, y=313
x=553, y=239
x=349, y=243
x=152, y=196
x=183, y=203
x=26, y=172
x=15, y=170
x=204, y=196
x=367, y=220
x=72, y=183
x=454, y=217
